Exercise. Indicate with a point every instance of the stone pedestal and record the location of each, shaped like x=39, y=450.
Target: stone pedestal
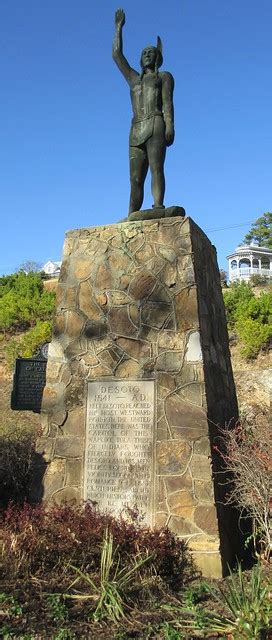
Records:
x=139, y=377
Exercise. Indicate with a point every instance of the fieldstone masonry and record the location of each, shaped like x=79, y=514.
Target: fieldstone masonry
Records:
x=142, y=301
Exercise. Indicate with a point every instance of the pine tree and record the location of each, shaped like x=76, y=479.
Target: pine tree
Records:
x=261, y=231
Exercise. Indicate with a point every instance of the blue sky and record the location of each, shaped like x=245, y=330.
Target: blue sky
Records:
x=65, y=115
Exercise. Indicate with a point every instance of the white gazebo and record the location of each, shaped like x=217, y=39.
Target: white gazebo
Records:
x=248, y=260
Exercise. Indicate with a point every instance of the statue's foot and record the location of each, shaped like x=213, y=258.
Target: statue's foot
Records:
x=156, y=213
x=174, y=211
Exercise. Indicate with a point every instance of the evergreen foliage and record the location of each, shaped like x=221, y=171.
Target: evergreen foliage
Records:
x=23, y=301
x=28, y=344
x=250, y=317
x=237, y=293
x=261, y=231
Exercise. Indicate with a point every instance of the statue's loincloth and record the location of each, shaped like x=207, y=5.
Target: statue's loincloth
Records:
x=142, y=129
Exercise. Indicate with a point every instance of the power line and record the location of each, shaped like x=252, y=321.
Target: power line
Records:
x=234, y=226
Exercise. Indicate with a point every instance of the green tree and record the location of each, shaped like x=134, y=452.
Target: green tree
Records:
x=261, y=231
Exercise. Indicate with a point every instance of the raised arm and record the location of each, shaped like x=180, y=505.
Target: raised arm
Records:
x=117, y=47
x=168, y=106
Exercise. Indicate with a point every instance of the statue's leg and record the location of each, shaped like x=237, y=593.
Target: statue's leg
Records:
x=138, y=165
x=156, y=149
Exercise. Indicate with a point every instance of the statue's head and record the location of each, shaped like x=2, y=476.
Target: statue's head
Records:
x=152, y=56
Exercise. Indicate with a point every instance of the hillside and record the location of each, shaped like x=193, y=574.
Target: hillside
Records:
x=253, y=387
x=26, y=310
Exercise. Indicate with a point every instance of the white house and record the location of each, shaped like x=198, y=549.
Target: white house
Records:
x=52, y=269
x=248, y=260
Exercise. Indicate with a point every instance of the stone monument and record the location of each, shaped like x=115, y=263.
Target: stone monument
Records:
x=139, y=377
x=139, y=374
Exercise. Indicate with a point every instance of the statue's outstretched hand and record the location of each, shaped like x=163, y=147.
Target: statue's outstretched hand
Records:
x=120, y=18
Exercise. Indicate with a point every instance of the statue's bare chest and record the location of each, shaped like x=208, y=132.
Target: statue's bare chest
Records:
x=146, y=93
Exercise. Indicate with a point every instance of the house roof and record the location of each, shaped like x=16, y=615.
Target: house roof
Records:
x=49, y=263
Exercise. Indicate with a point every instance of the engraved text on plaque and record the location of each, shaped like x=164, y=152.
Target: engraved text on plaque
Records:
x=119, y=445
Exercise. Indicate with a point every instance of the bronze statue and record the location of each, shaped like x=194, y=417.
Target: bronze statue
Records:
x=152, y=128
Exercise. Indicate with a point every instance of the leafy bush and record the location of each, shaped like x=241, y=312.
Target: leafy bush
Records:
x=250, y=317
x=256, y=308
x=233, y=297
x=254, y=336
x=23, y=301
x=257, y=280
x=61, y=563
x=28, y=344
x=45, y=542
x=254, y=323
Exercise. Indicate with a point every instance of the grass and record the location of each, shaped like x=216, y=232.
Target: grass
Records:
x=113, y=583
x=244, y=608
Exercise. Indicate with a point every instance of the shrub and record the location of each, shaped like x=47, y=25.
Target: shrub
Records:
x=257, y=280
x=41, y=541
x=247, y=456
x=23, y=301
x=28, y=344
x=254, y=323
x=233, y=296
x=16, y=453
x=245, y=609
x=254, y=336
x=114, y=582
x=256, y=308
x=250, y=317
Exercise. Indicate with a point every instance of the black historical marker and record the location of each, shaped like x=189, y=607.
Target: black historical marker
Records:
x=29, y=382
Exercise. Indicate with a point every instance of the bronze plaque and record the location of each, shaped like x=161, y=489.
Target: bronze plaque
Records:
x=119, y=445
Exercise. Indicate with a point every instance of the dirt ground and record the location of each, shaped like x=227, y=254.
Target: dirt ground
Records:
x=37, y=619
